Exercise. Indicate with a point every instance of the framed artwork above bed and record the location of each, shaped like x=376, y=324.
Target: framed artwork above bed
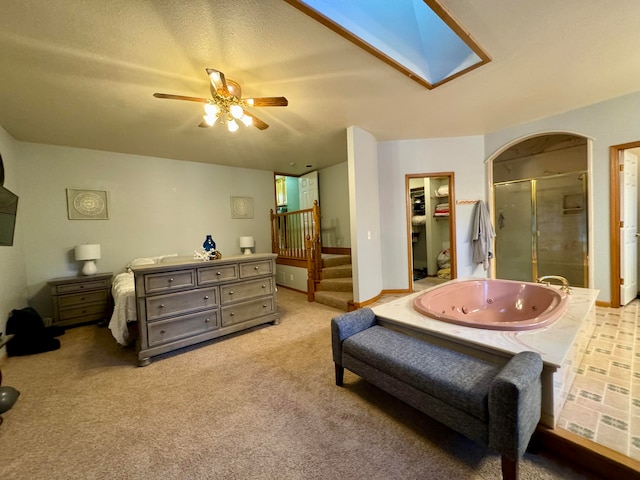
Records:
x=87, y=204
x=241, y=207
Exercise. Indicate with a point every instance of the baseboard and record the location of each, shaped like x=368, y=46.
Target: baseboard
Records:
x=291, y=288
x=603, y=304
x=586, y=454
x=336, y=250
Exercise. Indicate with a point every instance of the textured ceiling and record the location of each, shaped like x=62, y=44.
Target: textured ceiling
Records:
x=82, y=74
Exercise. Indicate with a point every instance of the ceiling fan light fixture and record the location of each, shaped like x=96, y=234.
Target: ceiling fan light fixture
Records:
x=226, y=104
x=232, y=125
x=212, y=109
x=209, y=119
x=236, y=111
x=234, y=88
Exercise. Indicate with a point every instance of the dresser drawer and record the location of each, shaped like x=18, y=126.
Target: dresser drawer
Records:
x=242, y=312
x=81, y=287
x=245, y=290
x=253, y=269
x=99, y=296
x=84, y=311
x=177, y=328
x=210, y=275
x=164, y=282
x=180, y=303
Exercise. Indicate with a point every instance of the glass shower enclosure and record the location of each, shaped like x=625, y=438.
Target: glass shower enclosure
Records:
x=541, y=228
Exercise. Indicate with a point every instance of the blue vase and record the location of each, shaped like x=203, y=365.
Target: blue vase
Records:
x=209, y=245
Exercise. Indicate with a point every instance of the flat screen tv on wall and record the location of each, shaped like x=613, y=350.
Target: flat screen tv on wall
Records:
x=8, y=210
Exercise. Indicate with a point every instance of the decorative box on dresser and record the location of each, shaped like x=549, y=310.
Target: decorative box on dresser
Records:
x=183, y=304
x=81, y=299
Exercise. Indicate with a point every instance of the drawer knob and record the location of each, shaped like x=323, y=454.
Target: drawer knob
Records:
x=218, y=273
x=162, y=305
x=256, y=268
x=163, y=331
x=171, y=280
x=264, y=286
x=231, y=292
x=207, y=320
x=233, y=313
x=264, y=306
x=206, y=297
x=81, y=286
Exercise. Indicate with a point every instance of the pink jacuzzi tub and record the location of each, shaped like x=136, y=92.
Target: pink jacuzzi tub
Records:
x=493, y=304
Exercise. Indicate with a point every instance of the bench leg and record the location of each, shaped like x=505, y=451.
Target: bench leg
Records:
x=339, y=374
x=509, y=469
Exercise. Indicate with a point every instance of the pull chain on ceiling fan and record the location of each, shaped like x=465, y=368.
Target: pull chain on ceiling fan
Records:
x=226, y=104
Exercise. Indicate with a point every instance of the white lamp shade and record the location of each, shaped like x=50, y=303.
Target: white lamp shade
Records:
x=87, y=252
x=247, y=243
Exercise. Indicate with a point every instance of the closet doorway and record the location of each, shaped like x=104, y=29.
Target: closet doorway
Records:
x=431, y=227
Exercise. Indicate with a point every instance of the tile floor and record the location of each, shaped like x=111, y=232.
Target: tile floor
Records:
x=604, y=401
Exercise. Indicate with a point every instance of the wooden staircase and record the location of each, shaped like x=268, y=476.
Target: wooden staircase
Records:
x=335, y=287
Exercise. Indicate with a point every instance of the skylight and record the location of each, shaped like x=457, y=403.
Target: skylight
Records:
x=417, y=37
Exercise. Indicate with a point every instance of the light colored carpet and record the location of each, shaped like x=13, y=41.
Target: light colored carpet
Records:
x=256, y=405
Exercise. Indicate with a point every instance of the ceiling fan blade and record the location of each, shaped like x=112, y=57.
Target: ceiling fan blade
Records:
x=267, y=102
x=218, y=82
x=256, y=121
x=180, y=97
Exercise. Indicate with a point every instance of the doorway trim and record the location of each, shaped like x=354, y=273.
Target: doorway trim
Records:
x=452, y=220
x=614, y=218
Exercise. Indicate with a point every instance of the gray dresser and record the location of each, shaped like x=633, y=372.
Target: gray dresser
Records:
x=186, y=303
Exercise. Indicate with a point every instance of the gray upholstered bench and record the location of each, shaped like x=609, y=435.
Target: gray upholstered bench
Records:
x=497, y=407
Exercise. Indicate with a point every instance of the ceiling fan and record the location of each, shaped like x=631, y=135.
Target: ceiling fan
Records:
x=226, y=104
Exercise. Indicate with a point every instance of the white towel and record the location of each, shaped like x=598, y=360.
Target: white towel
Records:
x=443, y=191
x=482, y=235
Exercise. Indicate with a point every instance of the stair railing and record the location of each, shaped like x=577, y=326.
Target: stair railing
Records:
x=295, y=237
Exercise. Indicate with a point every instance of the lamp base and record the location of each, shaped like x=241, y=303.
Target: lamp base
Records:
x=89, y=267
x=247, y=251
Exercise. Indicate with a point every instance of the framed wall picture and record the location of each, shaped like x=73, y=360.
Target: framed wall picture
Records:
x=241, y=207
x=87, y=204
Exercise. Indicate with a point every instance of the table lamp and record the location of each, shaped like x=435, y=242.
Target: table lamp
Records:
x=88, y=253
x=247, y=243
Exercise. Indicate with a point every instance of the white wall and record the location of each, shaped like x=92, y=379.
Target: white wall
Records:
x=13, y=278
x=334, y=206
x=364, y=206
x=613, y=122
x=462, y=155
x=156, y=206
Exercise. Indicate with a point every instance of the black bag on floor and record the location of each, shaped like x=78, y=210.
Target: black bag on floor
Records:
x=30, y=334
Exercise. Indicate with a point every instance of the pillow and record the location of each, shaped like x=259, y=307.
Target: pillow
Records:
x=140, y=261
x=166, y=258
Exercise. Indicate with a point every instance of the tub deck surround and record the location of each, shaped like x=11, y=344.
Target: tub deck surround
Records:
x=560, y=344
x=494, y=304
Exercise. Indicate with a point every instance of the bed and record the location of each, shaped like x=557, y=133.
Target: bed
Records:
x=124, y=297
x=124, y=307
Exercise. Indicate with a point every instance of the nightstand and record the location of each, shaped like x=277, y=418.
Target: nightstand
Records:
x=81, y=299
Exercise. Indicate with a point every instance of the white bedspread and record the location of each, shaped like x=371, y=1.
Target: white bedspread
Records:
x=124, y=309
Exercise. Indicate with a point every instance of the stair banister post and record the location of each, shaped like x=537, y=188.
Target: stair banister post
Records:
x=311, y=284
